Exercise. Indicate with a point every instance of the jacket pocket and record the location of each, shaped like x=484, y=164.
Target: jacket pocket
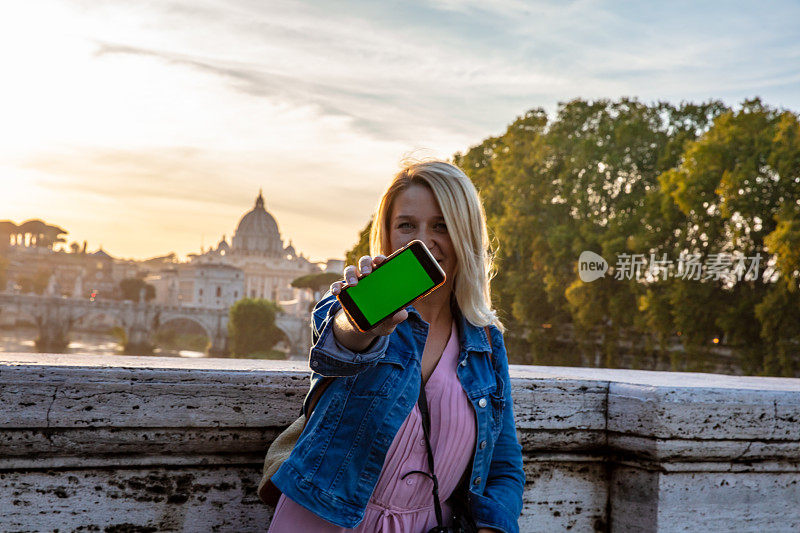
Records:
x=498, y=406
x=376, y=381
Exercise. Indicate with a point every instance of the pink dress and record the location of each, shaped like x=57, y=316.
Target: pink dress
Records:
x=406, y=506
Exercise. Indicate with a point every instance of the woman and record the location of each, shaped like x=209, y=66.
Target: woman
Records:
x=358, y=462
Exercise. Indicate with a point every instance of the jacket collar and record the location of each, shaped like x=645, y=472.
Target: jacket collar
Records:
x=472, y=338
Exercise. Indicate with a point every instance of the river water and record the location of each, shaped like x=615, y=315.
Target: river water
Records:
x=23, y=340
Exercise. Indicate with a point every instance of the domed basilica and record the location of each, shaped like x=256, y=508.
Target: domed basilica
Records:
x=269, y=267
x=257, y=233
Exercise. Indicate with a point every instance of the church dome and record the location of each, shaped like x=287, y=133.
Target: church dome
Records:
x=257, y=232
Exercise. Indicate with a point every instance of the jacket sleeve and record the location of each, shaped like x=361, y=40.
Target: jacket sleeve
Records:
x=500, y=505
x=327, y=357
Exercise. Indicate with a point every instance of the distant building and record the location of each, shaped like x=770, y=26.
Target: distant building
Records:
x=255, y=264
x=336, y=266
x=268, y=266
x=75, y=275
x=202, y=285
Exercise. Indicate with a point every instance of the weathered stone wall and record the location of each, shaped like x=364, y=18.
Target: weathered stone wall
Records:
x=158, y=444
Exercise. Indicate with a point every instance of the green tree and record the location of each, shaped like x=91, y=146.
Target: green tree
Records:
x=552, y=190
x=317, y=282
x=784, y=240
x=508, y=172
x=737, y=189
x=361, y=248
x=661, y=181
x=130, y=289
x=780, y=329
x=35, y=283
x=251, y=326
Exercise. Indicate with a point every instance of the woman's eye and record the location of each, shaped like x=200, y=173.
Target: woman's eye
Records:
x=404, y=225
x=440, y=227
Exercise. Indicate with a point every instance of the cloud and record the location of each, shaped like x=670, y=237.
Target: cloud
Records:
x=257, y=81
x=458, y=69
x=185, y=108
x=393, y=82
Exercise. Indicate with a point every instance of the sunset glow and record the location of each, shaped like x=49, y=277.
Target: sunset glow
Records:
x=149, y=128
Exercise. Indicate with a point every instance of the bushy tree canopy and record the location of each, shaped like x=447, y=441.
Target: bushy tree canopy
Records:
x=317, y=282
x=620, y=178
x=252, y=328
x=130, y=289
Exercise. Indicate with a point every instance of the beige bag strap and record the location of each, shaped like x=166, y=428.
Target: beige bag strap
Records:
x=282, y=447
x=317, y=393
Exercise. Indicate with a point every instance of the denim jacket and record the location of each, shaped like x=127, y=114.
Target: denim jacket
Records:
x=335, y=465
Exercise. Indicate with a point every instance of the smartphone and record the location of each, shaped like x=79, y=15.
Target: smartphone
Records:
x=405, y=276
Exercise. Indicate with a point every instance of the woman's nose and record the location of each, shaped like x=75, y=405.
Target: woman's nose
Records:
x=427, y=238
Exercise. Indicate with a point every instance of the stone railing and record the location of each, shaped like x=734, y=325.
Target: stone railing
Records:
x=158, y=444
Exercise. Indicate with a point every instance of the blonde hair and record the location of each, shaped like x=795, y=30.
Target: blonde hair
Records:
x=466, y=223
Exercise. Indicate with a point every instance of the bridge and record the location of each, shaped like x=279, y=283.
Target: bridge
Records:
x=55, y=317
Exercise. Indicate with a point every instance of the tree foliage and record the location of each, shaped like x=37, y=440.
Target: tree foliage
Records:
x=36, y=282
x=661, y=180
x=130, y=289
x=30, y=233
x=361, y=248
x=628, y=178
x=251, y=326
x=317, y=282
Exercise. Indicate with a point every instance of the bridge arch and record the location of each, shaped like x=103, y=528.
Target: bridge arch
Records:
x=24, y=331
x=20, y=315
x=55, y=317
x=85, y=319
x=286, y=337
x=187, y=318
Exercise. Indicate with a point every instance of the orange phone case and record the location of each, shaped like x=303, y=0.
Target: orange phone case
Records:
x=444, y=278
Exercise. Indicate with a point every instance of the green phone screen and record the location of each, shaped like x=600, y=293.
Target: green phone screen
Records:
x=396, y=282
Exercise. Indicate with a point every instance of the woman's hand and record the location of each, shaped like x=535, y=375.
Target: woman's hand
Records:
x=345, y=332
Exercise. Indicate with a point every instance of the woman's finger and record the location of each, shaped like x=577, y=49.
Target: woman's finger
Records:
x=350, y=275
x=378, y=259
x=399, y=316
x=336, y=287
x=365, y=265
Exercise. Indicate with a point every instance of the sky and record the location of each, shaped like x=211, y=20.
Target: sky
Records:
x=149, y=127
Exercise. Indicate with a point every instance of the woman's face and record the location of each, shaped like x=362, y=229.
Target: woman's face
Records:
x=416, y=215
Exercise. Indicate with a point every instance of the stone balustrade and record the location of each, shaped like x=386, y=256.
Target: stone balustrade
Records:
x=139, y=444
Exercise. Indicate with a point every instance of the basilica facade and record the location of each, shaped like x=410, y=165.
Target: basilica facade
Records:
x=268, y=266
